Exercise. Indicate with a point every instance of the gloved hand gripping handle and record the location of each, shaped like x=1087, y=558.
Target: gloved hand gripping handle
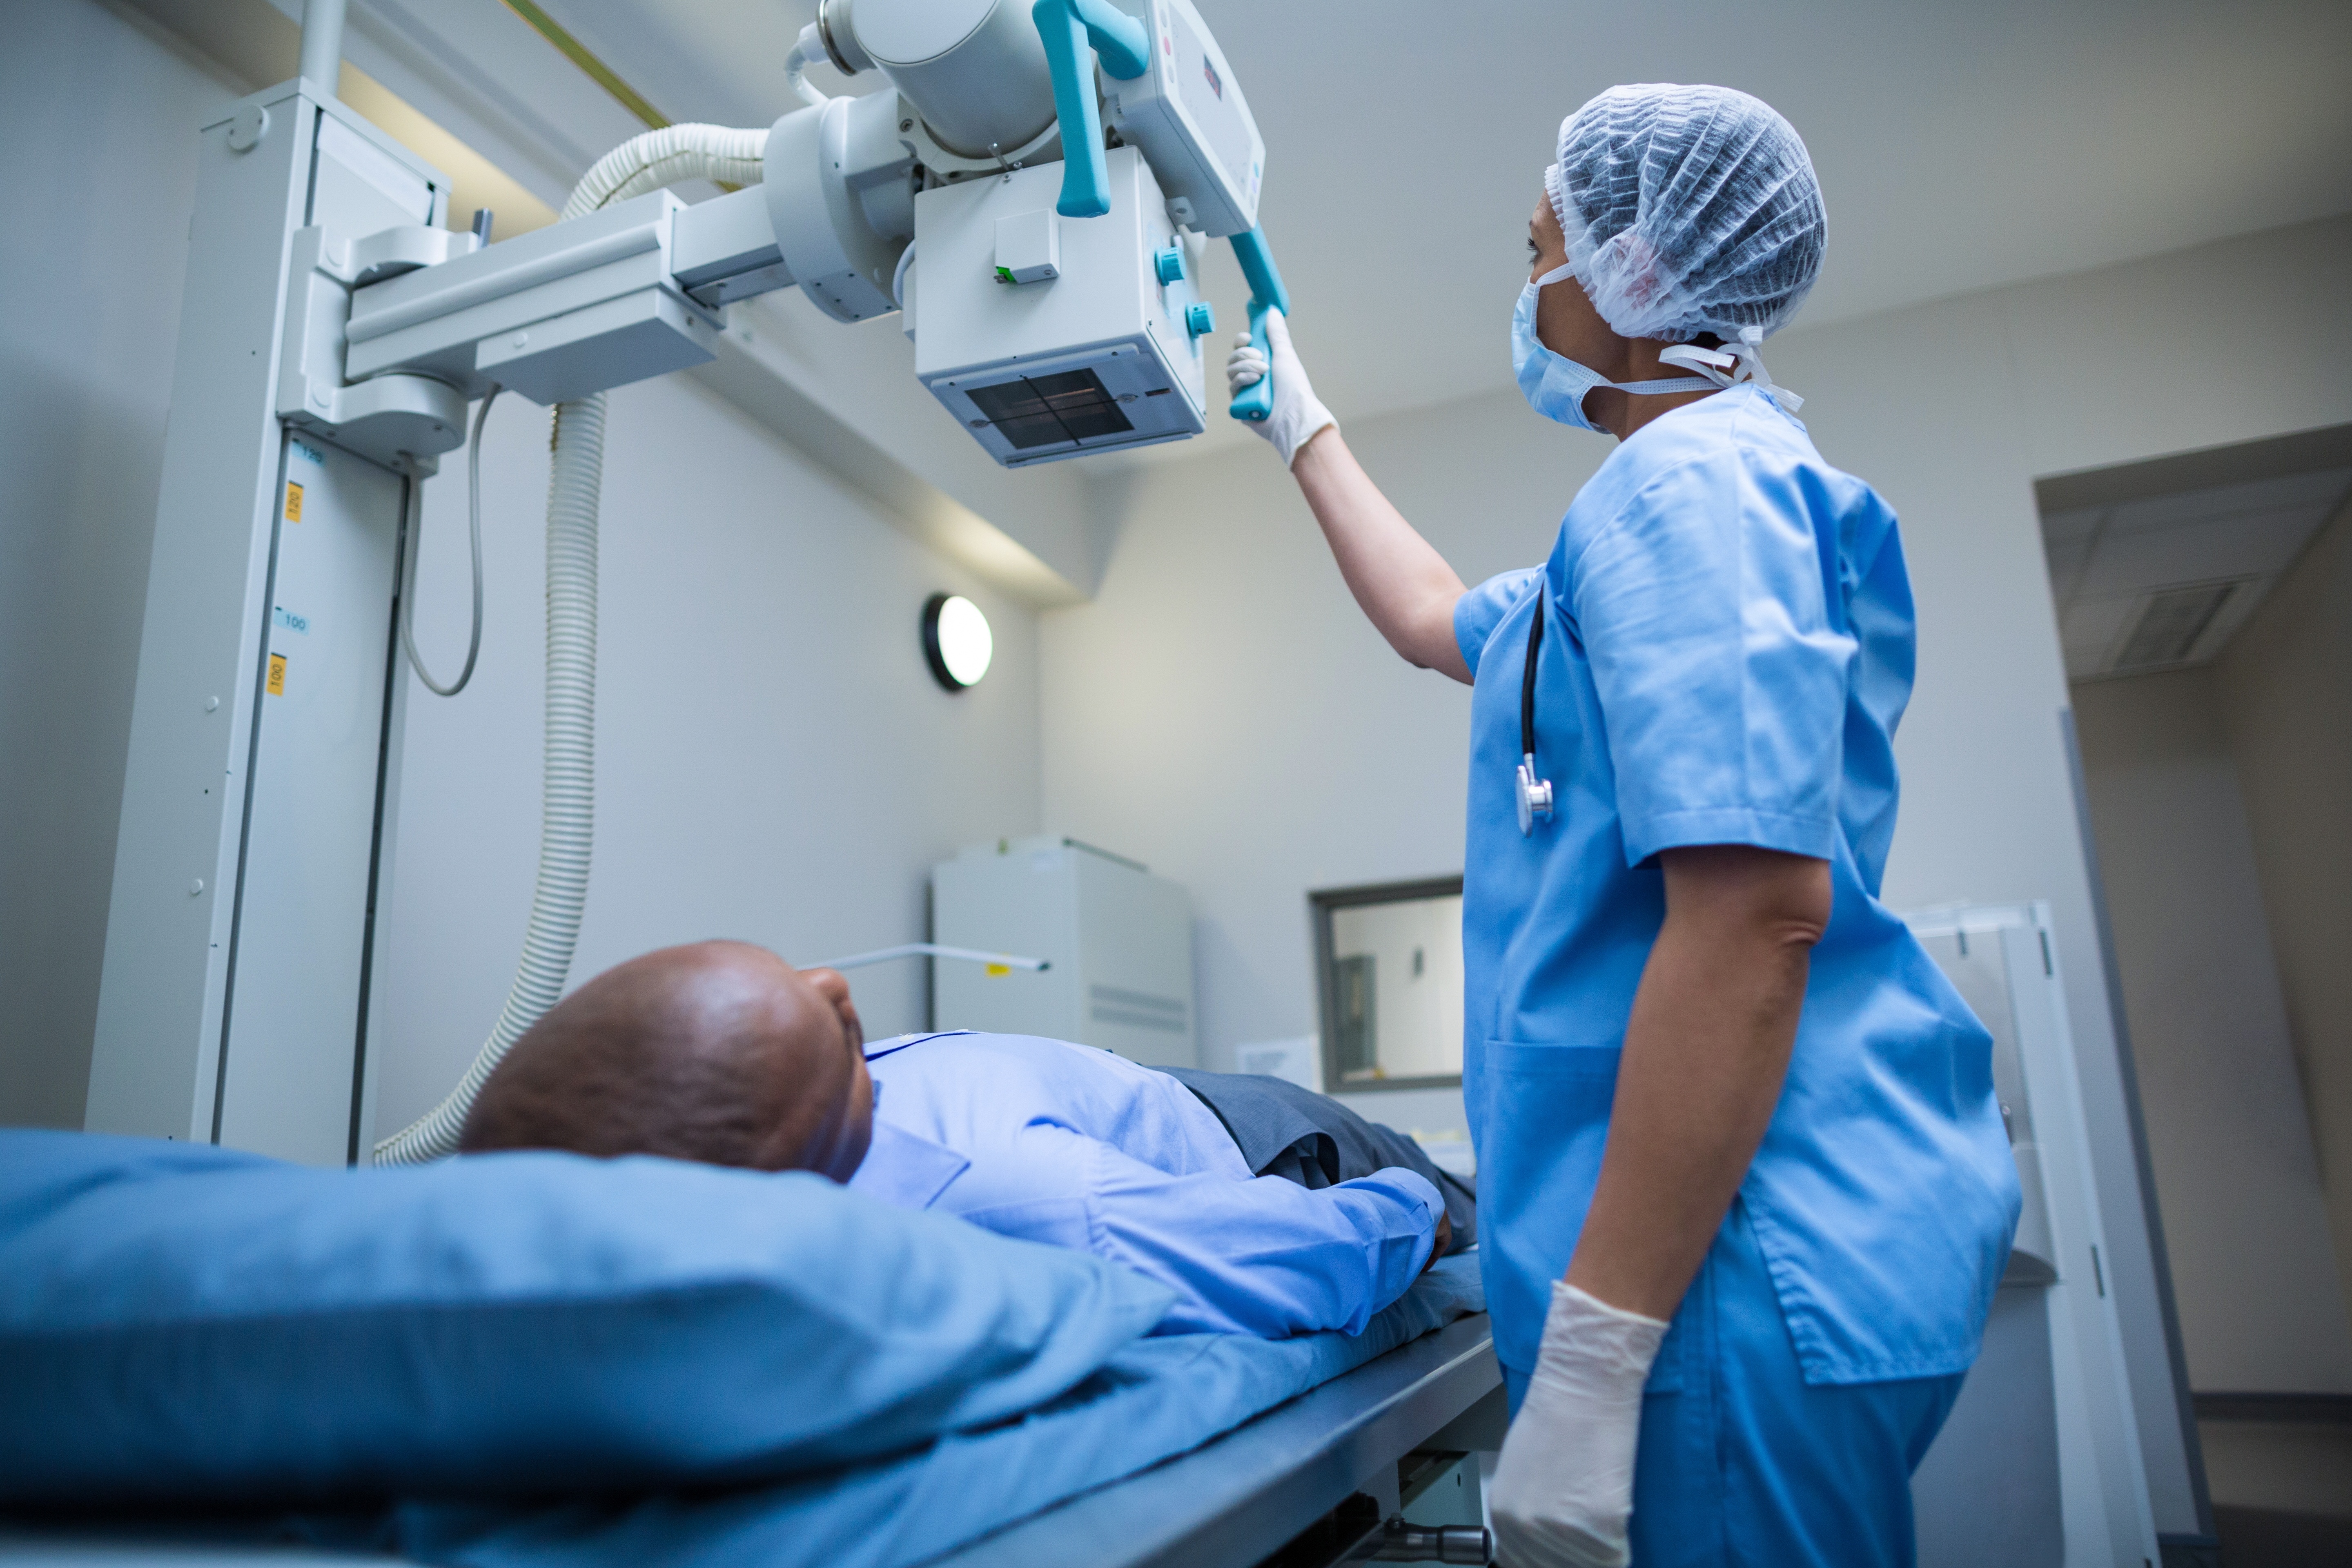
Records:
x=1069, y=29
x=1256, y=402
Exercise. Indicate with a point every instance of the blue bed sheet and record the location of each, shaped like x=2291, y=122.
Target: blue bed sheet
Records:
x=1156, y=1399
x=182, y=1323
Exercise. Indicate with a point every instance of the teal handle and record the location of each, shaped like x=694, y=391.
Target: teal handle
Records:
x=1070, y=30
x=1255, y=402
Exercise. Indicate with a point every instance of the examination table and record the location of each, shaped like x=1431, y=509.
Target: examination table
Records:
x=1190, y=1449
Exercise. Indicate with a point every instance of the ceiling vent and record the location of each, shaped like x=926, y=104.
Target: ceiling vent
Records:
x=2162, y=582
x=2172, y=621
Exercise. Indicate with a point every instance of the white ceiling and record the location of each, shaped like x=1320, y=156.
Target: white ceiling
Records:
x=1961, y=145
x=2107, y=562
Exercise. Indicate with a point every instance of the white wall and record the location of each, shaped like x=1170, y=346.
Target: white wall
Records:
x=2253, y=1267
x=2286, y=682
x=774, y=761
x=1222, y=711
x=99, y=116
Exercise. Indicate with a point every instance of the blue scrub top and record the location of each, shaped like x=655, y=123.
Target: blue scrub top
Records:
x=1728, y=650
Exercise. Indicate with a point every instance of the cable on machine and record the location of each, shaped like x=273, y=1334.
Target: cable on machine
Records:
x=408, y=565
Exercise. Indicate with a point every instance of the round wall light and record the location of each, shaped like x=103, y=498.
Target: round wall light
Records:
x=956, y=640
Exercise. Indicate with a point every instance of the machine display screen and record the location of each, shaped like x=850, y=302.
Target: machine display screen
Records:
x=1040, y=411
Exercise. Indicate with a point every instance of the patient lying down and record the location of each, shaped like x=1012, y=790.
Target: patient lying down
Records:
x=1268, y=1209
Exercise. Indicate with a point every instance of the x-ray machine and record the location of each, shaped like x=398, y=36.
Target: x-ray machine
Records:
x=1031, y=186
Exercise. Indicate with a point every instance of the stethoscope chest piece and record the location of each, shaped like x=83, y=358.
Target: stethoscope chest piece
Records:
x=1535, y=794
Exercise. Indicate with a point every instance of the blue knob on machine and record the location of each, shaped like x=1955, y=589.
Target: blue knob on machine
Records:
x=1198, y=320
x=1169, y=263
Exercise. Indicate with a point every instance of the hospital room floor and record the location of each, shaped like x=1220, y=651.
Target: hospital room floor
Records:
x=2282, y=1491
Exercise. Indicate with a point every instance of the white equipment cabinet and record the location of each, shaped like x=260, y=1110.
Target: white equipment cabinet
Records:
x=1117, y=941
x=2039, y=1462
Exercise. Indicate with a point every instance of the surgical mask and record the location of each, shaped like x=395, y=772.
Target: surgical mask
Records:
x=1555, y=386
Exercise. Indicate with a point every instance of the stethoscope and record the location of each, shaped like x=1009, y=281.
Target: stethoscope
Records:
x=1535, y=794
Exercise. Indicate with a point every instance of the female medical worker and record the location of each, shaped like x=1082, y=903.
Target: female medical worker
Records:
x=1721, y=1099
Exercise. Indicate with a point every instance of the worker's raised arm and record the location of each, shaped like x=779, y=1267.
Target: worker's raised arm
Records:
x=1404, y=586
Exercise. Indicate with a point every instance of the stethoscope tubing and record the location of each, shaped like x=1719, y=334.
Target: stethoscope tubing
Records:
x=1535, y=795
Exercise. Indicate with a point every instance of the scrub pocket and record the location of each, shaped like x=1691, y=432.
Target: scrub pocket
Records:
x=1546, y=1117
x=1749, y=1465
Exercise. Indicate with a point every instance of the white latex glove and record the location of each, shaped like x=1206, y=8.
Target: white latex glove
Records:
x=1563, y=1491
x=1297, y=415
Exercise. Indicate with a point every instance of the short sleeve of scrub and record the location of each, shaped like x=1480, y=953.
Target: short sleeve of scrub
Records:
x=1480, y=610
x=1717, y=660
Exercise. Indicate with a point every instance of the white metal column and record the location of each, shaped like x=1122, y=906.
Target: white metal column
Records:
x=252, y=857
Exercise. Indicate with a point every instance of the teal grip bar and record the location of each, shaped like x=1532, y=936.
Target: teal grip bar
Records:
x=1117, y=38
x=1257, y=266
x=1255, y=402
x=1070, y=30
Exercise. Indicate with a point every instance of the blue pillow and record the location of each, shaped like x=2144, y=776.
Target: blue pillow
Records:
x=183, y=1322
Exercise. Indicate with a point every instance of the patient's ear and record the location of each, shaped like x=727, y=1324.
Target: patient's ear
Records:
x=831, y=984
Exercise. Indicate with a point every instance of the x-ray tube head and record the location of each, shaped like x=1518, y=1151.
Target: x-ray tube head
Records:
x=974, y=69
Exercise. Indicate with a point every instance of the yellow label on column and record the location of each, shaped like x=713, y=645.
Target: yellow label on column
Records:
x=276, y=684
x=997, y=971
x=293, y=502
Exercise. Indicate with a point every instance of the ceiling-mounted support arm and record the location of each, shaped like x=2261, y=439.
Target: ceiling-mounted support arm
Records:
x=1256, y=402
x=1070, y=28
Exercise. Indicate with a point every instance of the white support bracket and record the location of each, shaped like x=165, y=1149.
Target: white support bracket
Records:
x=555, y=314
x=401, y=421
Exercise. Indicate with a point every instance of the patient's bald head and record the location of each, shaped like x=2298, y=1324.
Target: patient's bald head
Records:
x=719, y=1052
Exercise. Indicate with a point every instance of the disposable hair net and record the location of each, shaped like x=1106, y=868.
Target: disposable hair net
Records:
x=1688, y=210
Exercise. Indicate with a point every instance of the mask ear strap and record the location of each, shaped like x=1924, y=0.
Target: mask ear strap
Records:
x=1716, y=367
x=1747, y=366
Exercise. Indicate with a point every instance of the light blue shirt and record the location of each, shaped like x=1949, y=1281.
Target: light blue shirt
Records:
x=1076, y=1147
x=1727, y=651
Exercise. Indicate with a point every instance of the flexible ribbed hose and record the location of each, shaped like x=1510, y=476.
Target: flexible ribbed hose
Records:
x=568, y=797
x=664, y=157
x=568, y=790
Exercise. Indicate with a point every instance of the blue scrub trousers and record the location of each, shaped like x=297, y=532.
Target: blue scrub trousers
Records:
x=1742, y=1462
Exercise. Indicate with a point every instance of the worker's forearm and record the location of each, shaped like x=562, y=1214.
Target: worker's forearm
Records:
x=1706, y=1051
x=1404, y=586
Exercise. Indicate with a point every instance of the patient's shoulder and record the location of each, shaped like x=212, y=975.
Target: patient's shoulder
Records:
x=935, y=1052
x=1032, y=1075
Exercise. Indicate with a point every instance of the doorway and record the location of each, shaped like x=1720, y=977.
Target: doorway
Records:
x=2204, y=605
